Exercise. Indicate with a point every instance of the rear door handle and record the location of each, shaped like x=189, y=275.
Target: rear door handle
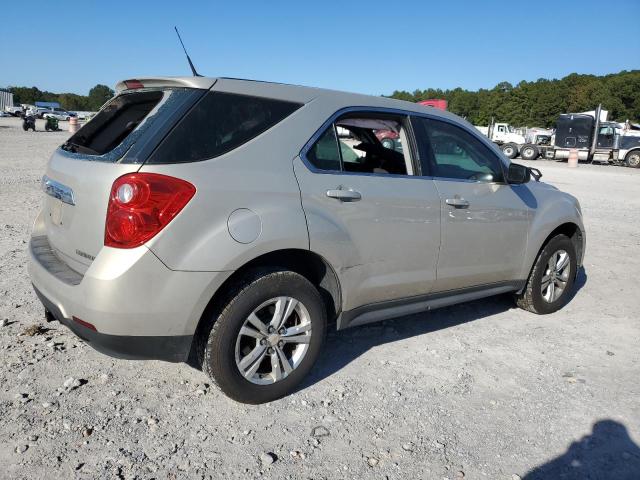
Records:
x=344, y=195
x=457, y=202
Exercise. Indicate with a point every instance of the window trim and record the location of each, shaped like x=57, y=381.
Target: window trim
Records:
x=413, y=145
x=482, y=139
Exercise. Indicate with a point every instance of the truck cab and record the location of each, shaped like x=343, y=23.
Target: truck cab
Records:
x=505, y=133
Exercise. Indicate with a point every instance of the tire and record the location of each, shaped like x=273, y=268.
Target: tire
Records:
x=532, y=298
x=632, y=159
x=529, y=152
x=388, y=143
x=223, y=349
x=46, y=127
x=25, y=127
x=510, y=150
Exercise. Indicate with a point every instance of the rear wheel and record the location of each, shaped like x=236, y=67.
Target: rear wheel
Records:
x=633, y=159
x=510, y=150
x=529, y=152
x=265, y=339
x=551, y=279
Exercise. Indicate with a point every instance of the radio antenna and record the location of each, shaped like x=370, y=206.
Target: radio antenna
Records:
x=193, y=69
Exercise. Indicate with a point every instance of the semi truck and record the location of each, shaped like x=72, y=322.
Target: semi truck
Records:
x=505, y=136
x=595, y=140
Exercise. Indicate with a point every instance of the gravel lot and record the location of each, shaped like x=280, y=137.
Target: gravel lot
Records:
x=480, y=390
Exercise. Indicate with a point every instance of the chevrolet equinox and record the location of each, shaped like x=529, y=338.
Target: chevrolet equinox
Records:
x=232, y=222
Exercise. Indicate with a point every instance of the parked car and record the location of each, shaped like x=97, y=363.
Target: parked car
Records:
x=58, y=114
x=38, y=112
x=225, y=224
x=15, y=111
x=387, y=138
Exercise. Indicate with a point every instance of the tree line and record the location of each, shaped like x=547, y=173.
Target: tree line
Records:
x=98, y=95
x=539, y=103
x=526, y=104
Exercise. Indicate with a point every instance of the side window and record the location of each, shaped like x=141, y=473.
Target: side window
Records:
x=358, y=143
x=325, y=154
x=452, y=152
x=219, y=123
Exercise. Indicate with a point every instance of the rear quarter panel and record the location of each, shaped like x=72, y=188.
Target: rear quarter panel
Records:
x=257, y=176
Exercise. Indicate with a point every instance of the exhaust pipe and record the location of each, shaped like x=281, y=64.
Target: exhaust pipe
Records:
x=594, y=142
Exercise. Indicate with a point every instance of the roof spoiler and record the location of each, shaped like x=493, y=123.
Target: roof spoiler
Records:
x=203, y=83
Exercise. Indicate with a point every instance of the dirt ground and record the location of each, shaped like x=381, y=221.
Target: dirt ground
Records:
x=480, y=390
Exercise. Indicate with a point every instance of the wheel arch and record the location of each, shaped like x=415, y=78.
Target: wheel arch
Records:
x=307, y=263
x=569, y=228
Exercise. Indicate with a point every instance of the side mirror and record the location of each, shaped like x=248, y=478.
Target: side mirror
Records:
x=518, y=174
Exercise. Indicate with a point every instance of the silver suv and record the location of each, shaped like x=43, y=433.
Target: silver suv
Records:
x=225, y=222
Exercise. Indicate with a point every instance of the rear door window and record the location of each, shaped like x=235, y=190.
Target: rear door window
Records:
x=219, y=123
x=365, y=143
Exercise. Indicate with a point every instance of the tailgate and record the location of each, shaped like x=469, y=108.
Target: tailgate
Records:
x=76, y=205
x=80, y=174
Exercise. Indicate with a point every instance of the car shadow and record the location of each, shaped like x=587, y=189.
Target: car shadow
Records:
x=607, y=453
x=342, y=347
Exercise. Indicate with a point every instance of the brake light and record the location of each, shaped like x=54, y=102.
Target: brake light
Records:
x=142, y=204
x=133, y=84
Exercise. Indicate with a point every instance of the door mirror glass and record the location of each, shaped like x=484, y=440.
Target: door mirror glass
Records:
x=518, y=174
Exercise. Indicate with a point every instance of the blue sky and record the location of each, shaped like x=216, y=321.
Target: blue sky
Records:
x=369, y=47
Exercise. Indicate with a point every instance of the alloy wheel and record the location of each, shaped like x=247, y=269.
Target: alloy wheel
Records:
x=556, y=275
x=273, y=340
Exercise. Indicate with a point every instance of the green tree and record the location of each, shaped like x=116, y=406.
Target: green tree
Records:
x=98, y=96
x=539, y=103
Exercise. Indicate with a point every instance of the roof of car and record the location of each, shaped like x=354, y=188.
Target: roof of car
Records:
x=296, y=93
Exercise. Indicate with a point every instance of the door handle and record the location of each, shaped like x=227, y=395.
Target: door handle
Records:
x=457, y=202
x=344, y=195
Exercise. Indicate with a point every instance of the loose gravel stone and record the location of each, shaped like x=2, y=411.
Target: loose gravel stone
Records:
x=320, y=431
x=267, y=458
x=72, y=383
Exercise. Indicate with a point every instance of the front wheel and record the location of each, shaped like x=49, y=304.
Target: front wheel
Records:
x=633, y=159
x=551, y=279
x=510, y=150
x=265, y=340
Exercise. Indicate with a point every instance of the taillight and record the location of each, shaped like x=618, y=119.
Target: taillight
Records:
x=142, y=204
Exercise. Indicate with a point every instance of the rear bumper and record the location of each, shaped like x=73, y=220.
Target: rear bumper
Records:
x=140, y=308
x=168, y=348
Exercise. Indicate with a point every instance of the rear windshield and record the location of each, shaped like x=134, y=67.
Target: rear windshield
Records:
x=219, y=123
x=113, y=123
